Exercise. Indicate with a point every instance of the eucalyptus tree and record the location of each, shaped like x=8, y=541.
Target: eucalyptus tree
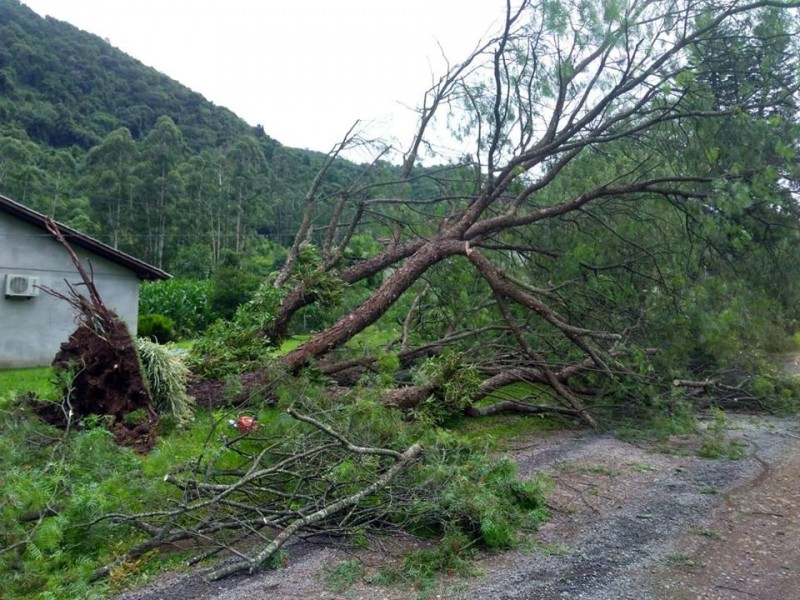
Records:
x=246, y=187
x=20, y=175
x=161, y=185
x=203, y=180
x=62, y=169
x=110, y=181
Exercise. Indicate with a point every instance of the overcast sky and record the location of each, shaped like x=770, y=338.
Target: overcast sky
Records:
x=304, y=69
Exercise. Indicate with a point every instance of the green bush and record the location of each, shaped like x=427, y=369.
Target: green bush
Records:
x=715, y=443
x=231, y=287
x=156, y=327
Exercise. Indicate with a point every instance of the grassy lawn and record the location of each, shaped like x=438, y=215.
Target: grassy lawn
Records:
x=37, y=380
x=291, y=343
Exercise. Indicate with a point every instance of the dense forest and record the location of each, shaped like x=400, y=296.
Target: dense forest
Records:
x=101, y=142
x=616, y=245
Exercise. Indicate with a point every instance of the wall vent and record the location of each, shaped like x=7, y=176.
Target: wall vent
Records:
x=21, y=286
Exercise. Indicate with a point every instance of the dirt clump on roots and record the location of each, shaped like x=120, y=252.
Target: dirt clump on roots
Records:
x=104, y=378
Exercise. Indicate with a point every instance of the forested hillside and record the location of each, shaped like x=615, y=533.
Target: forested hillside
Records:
x=96, y=139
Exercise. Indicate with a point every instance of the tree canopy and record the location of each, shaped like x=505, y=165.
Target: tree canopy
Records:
x=627, y=186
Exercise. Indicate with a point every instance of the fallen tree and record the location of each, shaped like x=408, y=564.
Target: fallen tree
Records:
x=579, y=198
x=253, y=494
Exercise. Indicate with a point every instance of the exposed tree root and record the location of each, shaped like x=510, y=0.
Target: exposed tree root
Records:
x=105, y=376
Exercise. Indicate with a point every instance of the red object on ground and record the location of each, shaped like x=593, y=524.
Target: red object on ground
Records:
x=247, y=424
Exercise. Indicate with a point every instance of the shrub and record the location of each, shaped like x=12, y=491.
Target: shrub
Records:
x=231, y=287
x=715, y=442
x=156, y=327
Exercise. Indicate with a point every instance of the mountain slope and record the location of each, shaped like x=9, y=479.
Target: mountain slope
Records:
x=96, y=139
x=63, y=86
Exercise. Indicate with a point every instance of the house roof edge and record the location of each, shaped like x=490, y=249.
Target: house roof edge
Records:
x=143, y=270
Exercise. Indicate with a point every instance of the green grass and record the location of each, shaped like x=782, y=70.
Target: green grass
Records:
x=498, y=431
x=520, y=391
x=291, y=343
x=502, y=430
x=83, y=476
x=343, y=576
x=38, y=380
x=374, y=337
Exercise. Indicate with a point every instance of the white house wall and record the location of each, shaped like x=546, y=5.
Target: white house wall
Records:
x=32, y=329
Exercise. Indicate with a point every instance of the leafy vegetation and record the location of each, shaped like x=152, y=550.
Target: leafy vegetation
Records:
x=167, y=376
x=341, y=577
x=229, y=347
x=184, y=301
x=55, y=485
x=156, y=327
x=715, y=443
x=63, y=489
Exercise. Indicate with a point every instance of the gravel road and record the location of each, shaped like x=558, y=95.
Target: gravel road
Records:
x=627, y=523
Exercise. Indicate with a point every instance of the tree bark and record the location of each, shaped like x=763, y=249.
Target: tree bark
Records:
x=376, y=306
x=514, y=407
x=299, y=297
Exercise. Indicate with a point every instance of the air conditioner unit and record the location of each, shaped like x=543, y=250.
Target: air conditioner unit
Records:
x=21, y=286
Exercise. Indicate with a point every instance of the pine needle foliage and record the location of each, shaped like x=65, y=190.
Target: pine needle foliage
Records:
x=55, y=484
x=236, y=346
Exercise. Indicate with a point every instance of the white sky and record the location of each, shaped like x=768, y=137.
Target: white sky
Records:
x=304, y=69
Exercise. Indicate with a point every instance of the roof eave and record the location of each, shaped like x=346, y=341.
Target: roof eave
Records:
x=143, y=270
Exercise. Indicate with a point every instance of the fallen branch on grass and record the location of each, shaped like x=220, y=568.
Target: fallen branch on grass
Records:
x=251, y=495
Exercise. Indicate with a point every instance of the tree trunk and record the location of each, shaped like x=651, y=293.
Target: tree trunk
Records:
x=376, y=306
x=298, y=297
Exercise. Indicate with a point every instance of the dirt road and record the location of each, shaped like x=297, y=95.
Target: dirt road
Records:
x=749, y=549
x=637, y=525
x=627, y=523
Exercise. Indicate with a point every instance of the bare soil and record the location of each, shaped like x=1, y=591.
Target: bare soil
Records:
x=628, y=522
